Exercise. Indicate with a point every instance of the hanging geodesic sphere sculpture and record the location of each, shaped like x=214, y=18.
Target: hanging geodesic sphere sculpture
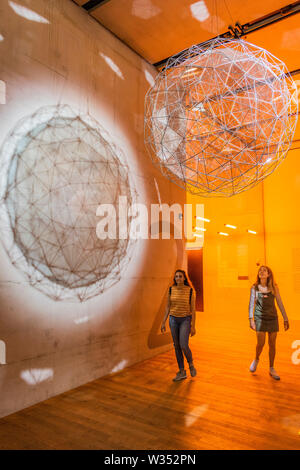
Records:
x=220, y=117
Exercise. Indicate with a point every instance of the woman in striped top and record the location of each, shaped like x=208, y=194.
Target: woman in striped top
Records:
x=181, y=307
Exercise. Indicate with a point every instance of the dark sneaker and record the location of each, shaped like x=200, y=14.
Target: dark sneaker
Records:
x=193, y=370
x=180, y=376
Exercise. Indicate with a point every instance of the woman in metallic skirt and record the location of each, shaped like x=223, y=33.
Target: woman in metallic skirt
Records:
x=262, y=303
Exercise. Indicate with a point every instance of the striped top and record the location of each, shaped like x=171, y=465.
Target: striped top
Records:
x=180, y=301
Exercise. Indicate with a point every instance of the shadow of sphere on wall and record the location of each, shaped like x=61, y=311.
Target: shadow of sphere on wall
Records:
x=57, y=166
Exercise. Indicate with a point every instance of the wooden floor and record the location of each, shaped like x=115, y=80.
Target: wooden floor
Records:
x=224, y=407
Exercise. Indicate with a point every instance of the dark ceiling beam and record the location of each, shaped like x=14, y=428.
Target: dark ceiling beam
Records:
x=242, y=30
x=93, y=4
x=294, y=72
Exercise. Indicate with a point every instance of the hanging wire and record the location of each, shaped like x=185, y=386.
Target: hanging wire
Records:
x=217, y=29
x=229, y=12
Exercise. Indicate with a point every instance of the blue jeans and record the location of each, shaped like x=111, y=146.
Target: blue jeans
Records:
x=180, y=328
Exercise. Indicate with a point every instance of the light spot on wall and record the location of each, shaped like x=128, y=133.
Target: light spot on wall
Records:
x=149, y=78
x=81, y=320
x=2, y=92
x=119, y=366
x=199, y=11
x=112, y=65
x=196, y=413
x=1, y=37
x=144, y=9
x=2, y=352
x=157, y=191
x=290, y=39
x=27, y=13
x=35, y=376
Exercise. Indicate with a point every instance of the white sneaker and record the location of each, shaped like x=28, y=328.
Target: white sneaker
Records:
x=274, y=374
x=253, y=365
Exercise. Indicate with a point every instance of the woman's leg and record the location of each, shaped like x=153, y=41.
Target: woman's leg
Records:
x=272, y=347
x=184, y=334
x=174, y=327
x=261, y=337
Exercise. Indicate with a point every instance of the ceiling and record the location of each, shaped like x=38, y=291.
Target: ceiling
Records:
x=157, y=29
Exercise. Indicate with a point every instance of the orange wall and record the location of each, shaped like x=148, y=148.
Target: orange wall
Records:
x=271, y=209
x=227, y=258
x=282, y=196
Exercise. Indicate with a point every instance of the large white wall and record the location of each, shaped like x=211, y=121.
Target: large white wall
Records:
x=47, y=346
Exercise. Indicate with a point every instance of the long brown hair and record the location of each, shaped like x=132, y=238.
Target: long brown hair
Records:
x=270, y=281
x=186, y=282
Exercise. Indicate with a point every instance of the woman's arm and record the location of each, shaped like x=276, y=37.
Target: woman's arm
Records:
x=193, y=312
x=163, y=324
x=281, y=308
x=251, y=307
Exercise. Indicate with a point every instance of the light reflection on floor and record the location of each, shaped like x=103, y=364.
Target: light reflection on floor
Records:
x=195, y=414
x=292, y=424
